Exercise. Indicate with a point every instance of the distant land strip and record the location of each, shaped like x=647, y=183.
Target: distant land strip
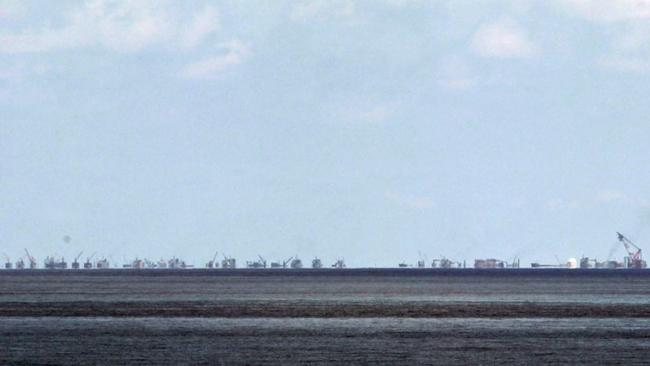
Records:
x=532, y=272
x=317, y=309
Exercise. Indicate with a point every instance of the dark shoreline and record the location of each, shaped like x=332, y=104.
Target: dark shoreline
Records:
x=307, y=309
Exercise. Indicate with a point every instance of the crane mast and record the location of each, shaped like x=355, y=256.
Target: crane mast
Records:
x=32, y=260
x=634, y=259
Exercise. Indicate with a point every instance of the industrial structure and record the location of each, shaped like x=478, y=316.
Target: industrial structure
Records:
x=586, y=263
x=261, y=263
x=135, y=264
x=20, y=264
x=55, y=263
x=571, y=263
x=88, y=264
x=445, y=263
x=339, y=264
x=32, y=261
x=8, y=264
x=213, y=263
x=228, y=263
x=632, y=260
x=492, y=263
x=422, y=262
x=176, y=263
x=75, y=263
x=296, y=263
x=282, y=264
x=102, y=264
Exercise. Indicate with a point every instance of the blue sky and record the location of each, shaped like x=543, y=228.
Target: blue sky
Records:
x=370, y=130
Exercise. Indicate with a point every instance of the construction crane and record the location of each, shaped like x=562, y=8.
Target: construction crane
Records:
x=75, y=264
x=89, y=264
x=8, y=264
x=284, y=263
x=281, y=265
x=634, y=259
x=422, y=261
x=339, y=264
x=228, y=263
x=257, y=264
x=214, y=263
x=32, y=260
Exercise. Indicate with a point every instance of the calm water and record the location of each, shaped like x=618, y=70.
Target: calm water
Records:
x=394, y=319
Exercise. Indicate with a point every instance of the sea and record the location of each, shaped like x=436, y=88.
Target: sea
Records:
x=319, y=317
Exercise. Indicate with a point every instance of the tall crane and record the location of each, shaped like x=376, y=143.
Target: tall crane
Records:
x=284, y=264
x=89, y=264
x=634, y=259
x=213, y=263
x=8, y=264
x=228, y=262
x=75, y=264
x=32, y=260
x=422, y=262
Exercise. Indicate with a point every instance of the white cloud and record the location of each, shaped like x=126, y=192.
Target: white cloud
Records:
x=120, y=25
x=627, y=28
x=322, y=9
x=502, y=39
x=214, y=66
x=12, y=9
x=204, y=23
x=41, y=41
x=609, y=10
x=629, y=49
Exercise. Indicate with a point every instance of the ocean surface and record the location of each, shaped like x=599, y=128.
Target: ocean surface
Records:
x=349, y=317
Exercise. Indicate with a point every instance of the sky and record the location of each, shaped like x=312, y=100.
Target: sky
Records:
x=375, y=131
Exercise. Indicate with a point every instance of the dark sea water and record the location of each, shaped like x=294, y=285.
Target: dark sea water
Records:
x=390, y=317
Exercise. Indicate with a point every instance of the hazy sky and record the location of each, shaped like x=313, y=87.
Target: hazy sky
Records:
x=369, y=130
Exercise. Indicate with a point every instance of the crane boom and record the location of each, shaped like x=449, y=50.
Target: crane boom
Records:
x=632, y=249
x=32, y=259
x=284, y=264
